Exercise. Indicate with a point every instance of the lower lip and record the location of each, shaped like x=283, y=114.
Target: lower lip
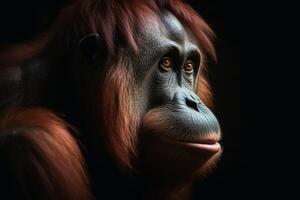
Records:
x=203, y=147
x=214, y=148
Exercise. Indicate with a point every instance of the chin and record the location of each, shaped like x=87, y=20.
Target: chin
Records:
x=170, y=160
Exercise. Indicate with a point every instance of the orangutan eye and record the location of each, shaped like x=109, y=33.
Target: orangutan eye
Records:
x=166, y=64
x=189, y=67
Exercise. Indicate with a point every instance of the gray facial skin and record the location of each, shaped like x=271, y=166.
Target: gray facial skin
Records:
x=172, y=93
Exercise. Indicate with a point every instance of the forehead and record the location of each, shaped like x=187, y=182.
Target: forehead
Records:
x=165, y=27
x=173, y=28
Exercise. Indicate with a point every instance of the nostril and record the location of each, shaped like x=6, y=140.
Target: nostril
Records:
x=192, y=104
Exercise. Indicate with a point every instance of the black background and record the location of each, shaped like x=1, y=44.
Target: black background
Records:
x=233, y=81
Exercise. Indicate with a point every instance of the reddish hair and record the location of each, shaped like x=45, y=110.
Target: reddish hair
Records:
x=118, y=114
x=39, y=158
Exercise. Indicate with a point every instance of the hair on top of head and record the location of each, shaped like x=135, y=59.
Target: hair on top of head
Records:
x=114, y=20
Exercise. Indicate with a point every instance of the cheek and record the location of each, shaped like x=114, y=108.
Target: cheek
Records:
x=141, y=103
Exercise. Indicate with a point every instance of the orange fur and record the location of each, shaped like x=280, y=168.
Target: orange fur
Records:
x=41, y=160
x=118, y=115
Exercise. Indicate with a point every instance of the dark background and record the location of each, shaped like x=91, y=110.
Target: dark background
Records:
x=232, y=78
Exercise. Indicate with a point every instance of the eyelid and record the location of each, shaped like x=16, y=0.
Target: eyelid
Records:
x=195, y=56
x=165, y=68
x=189, y=71
x=173, y=52
x=167, y=46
